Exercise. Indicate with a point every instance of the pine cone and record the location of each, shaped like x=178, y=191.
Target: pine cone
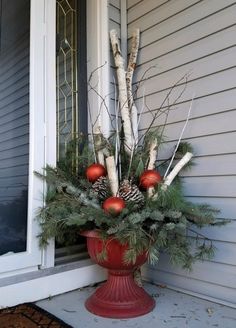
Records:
x=131, y=193
x=101, y=188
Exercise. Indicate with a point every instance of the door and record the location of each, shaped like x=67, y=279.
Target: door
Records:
x=22, y=135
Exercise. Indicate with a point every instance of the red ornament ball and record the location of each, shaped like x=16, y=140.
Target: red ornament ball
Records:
x=95, y=171
x=149, y=178
x=113, y=205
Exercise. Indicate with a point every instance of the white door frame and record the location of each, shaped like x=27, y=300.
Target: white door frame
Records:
x=43, y=146
x=40, y=135
x=43, y=150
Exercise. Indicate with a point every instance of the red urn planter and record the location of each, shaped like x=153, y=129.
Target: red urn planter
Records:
x=119, y=297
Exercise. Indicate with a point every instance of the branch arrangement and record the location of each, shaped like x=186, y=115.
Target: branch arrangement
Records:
x=129, y=120
x=120, y=186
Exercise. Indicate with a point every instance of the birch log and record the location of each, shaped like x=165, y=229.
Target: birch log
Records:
x=129, y=81
x=122, y=88
x=152, y=155
x=98, y=145
x=112, y=175
x=184, y=160
x=151, y=165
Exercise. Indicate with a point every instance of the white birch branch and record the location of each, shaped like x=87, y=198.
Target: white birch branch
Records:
x=129, y=81
x=180, y=137
x=151, y=165
x=98, y=137
x=112, y=175
x=184, y=160
x=152, y=155
x=122, y=88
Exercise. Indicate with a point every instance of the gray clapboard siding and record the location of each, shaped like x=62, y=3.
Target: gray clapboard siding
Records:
x=203, y=106
x=220, y=186
x=18, y=70
x=178, y=37
x=11, y=144
x=192, y=34
x=190, y=53
x=207, y=85
x=212, y=124
x=145, y=11
x=177, y=16
x=203, y=67
x=216, y=144
x=223, y=165
x=197, y=287
x=202, y=271
x=10, y=171
x=10, y=162
x=16, y=151
x=114, y=12
x=226, y=205
x=224, y=235
x=132, y=3
x=18, y=132
x=115, y=3
x=10, y=183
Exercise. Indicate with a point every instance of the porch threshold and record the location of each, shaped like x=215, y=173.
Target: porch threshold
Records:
x=44, y=283
x=18, y=278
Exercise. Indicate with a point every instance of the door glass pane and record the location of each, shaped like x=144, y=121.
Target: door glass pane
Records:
x=14, y=123
x=67, y=86
x=71, y=93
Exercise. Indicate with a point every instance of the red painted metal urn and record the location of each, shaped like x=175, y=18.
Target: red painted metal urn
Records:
x=119, y=297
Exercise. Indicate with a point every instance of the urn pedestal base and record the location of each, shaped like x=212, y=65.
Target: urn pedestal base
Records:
x=120, y=297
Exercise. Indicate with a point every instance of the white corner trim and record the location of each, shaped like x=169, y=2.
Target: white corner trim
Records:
x=98, y=56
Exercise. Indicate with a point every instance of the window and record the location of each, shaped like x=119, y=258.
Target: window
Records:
x=14, y=123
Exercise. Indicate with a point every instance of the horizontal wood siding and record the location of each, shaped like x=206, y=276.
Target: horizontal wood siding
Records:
x=194, y=40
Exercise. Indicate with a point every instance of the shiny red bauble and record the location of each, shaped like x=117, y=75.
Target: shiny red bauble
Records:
x=95, y=171
x=113, y=205
x=149, y=178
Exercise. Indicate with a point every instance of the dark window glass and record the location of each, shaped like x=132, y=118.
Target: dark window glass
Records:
x=14, y=123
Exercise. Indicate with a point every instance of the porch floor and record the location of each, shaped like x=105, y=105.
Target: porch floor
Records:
x=173, y=310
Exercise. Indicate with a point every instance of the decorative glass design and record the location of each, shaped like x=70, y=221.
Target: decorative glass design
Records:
x=67, y=81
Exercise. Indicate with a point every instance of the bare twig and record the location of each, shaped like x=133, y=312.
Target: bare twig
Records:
x=157, y=114
x=180, y=137
x=92, y=135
